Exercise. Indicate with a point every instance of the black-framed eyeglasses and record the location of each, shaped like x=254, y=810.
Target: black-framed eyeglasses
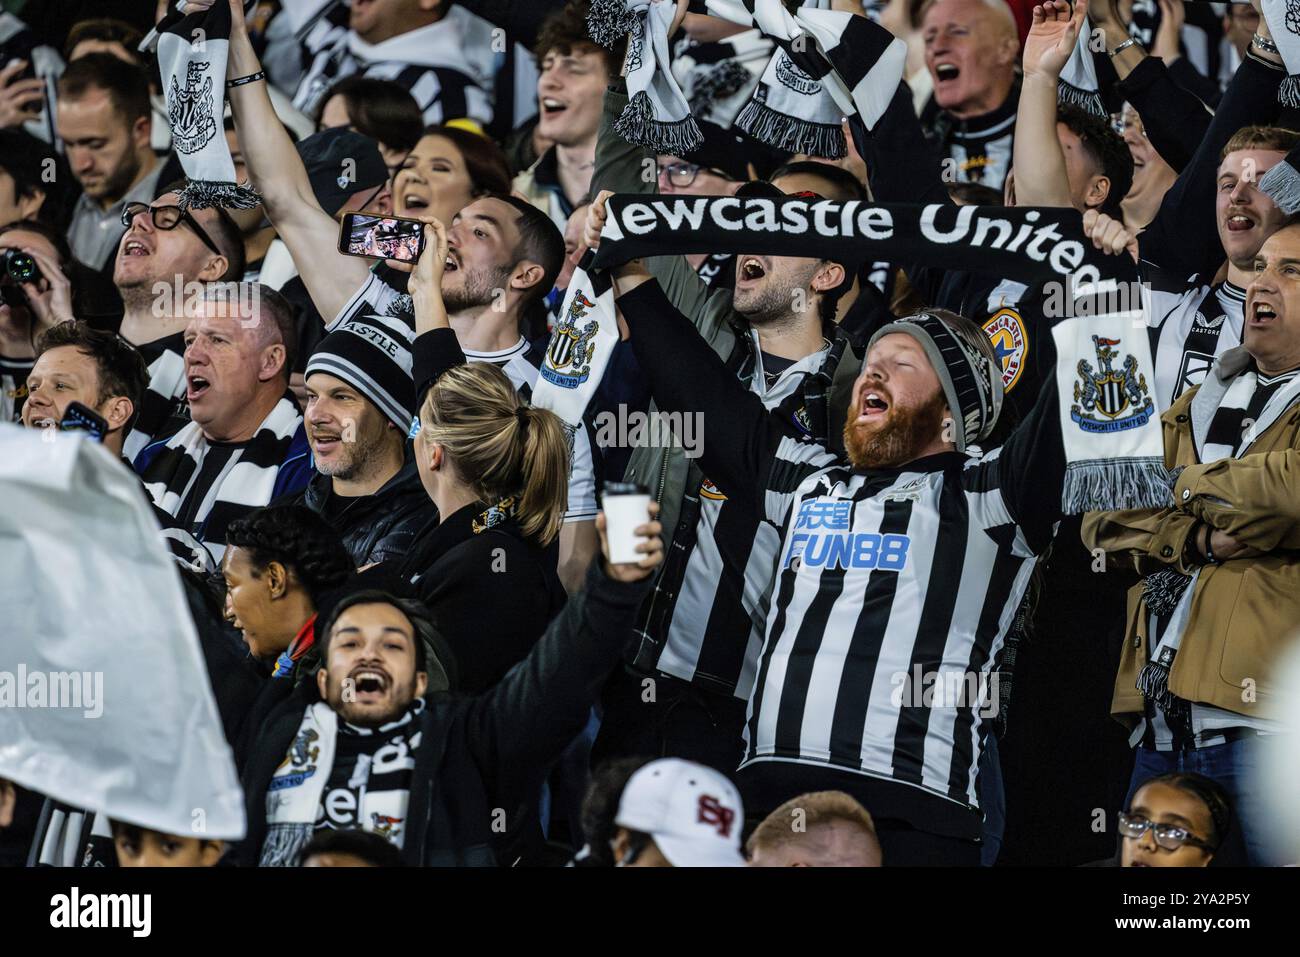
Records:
x=682, y=175
x=1169, y=836
x=167, y=218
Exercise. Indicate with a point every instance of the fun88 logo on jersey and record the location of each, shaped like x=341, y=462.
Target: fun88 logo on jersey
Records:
x=823, y=537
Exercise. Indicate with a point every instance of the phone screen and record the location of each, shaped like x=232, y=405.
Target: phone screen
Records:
x=381, y=237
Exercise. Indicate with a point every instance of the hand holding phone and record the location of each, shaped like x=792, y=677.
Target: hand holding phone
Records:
x=22, y=93
x=81, y=418
x=381, y=237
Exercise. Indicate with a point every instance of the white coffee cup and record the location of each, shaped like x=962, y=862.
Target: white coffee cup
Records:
x=626, y=507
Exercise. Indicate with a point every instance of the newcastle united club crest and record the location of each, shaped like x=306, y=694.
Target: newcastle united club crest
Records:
x=568, y=357
x=190, y=111
x=1110, y=399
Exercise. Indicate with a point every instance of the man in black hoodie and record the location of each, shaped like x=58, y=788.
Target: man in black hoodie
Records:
x=372, y=744
x=360, y=405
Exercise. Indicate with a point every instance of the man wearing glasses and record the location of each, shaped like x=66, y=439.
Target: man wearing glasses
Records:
x=164, y=251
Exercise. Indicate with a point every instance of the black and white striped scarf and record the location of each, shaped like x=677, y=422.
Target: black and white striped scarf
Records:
x=162, y=396
x=719, y=78
x=828, y=65
x=1078, y=82
x=246, y=482
x=329, y=759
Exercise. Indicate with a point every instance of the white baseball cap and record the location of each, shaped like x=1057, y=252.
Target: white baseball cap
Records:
x=693, y=813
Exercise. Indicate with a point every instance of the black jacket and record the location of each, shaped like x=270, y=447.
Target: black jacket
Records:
x=483, y=752
x=490, y=590
x=374, y=528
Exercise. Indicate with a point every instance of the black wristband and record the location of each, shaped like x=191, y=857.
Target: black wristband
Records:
x=251, y=78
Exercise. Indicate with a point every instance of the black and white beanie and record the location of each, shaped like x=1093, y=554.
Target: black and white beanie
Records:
x=373, y=355
x=972, y=381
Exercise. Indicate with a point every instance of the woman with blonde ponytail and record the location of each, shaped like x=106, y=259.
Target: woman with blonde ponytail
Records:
x=498, y=472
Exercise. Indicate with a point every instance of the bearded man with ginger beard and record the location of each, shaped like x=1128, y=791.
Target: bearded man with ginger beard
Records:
x=902, y=562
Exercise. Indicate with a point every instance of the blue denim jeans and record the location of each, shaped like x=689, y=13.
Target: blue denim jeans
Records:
x=1233, y=765
x=993, y=802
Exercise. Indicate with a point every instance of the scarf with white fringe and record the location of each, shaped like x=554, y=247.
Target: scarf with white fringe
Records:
x=1283, y=19
x=192, y=52
x=828, y=65
x=1078, y=82
x=1109, y=423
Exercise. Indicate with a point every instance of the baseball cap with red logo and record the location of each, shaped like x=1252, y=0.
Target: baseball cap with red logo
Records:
x=693, y=813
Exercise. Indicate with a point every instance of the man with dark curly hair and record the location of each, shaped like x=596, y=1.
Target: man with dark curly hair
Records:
x=278, y=565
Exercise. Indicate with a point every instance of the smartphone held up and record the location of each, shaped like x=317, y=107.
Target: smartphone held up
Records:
x=381, y=237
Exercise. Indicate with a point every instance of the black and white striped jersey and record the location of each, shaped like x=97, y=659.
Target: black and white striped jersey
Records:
x=891, y=586
x=894, y=588
x=446, y=66
x=1191, y=324
x=705, y=619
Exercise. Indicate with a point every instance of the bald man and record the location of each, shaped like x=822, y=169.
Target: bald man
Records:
x=971, y=49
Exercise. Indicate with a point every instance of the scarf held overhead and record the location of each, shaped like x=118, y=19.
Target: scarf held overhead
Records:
x=828, y=65
x=192, y=52
x=1110, y=425
x=1025, y=244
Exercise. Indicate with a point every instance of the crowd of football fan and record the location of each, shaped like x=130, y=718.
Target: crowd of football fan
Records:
x=409, y=543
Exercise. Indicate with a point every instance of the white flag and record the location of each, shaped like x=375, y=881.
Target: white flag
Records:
x=104, y=698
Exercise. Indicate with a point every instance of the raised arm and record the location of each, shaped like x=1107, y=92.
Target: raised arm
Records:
x=905, y=167
x=519, y=728
x=622, y=167
x=1029, y=469
x=278, y=174
x=1038, y=161
x=1183, y=238
x=687, y=378
x=436, y=348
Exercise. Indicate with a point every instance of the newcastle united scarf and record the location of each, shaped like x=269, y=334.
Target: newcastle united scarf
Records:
x=581, y=343
x=828, y=65
x=245, y=482
x=1078, y=83
x=192, y=54
x=1022, y=243
x=338, y=775
x=1113, y=441
x=1110, y=424
x=1283, y=19
x=657, y=116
